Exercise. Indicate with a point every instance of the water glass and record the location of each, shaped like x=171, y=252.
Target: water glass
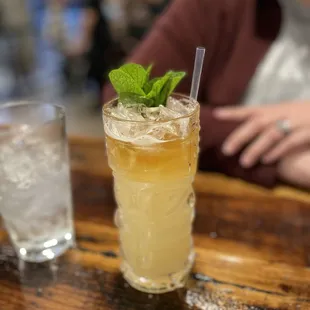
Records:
x=35, y=187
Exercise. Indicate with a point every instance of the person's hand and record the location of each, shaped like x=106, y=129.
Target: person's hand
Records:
x=294, y=168
x=261, y=127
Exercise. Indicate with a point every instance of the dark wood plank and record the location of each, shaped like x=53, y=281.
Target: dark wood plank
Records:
x=252, y=245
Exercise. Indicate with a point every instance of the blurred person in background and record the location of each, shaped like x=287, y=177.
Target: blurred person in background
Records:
x=257, y=57
x=55, y=29
x=96, y=42
x=17, y=32
x=54, y=40
x=140, y=15
x=117, y=18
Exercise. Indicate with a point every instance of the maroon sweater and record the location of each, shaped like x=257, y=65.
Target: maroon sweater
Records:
x=236, y=35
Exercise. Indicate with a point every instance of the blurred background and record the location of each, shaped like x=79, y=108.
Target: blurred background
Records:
x=61, y=50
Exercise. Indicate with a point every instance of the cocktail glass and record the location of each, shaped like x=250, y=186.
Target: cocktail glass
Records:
x=153, y=154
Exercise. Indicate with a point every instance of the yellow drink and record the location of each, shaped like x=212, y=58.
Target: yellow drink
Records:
x=153, y=188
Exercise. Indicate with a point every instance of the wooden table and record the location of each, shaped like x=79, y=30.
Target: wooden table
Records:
x=253, y=250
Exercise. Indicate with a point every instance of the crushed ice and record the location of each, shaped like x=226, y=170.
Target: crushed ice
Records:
x=149, y=125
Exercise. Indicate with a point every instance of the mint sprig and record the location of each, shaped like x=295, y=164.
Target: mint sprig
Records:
x=133, y=85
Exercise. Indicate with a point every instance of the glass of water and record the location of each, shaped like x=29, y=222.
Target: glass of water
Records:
x=35, y=188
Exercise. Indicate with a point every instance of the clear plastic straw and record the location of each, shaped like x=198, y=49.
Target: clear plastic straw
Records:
x=200, y=55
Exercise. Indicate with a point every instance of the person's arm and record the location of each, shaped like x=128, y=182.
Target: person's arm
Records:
x=171, y=45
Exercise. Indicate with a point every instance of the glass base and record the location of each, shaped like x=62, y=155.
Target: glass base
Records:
x=42, y=254
x=160, y=285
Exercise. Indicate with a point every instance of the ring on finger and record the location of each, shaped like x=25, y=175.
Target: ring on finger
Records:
x=284, y=126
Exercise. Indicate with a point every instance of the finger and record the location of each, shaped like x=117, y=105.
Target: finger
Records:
x=294, y=140
x=259, y=147
x=243, y=135
x=235, y=113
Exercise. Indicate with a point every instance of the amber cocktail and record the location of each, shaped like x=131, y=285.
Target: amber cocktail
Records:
x=153, y=154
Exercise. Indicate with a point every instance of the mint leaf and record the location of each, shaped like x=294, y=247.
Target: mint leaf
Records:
x=148, y=72
x=149, y=85
x=170, y=85
x=131, y=82
x=175, y=79
x=164, y=94
x=137, y=72
x=129, y=78
x=161, y=88
x=131, y=99
x=157, y=87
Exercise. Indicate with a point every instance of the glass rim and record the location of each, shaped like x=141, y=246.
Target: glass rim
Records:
x=32, y=103
x=182, y=96
x=19, y=103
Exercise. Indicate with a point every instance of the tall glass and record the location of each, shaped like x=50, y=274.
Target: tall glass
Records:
x=35, y=188
x=154, y=163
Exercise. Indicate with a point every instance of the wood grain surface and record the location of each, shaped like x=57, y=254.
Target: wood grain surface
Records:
x=252, y=245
